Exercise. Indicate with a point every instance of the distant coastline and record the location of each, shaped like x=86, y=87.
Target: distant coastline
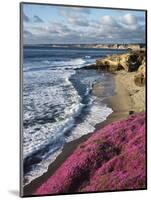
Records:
x=132, y=46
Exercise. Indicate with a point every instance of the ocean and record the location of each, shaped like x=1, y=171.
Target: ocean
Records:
x=58, y=105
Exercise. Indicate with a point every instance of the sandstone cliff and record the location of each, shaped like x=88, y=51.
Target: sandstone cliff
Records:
x=102, y=46
x=130, y=62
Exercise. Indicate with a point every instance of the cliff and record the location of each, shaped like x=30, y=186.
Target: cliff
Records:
x=134, y=61
x=102, y=46
x=113, y=158
x=140, y=77
x=128, y=61
x=119, y=46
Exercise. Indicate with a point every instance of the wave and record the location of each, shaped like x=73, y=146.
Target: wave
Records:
x=87, y=57
x=46, y=124
x=49, y=152
x=75, y=63
x=98, y=112
x=70, y=64
x=45, y=102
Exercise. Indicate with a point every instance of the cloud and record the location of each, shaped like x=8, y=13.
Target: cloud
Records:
x=76, y=27
x=124, y=29
x=76, y=16
x=80, y=9
x=55, y=29
x=141, y=18
x=59, y=29
x=130, y=22
x=108, y=20
x=74, y=10
x=27, y=33
x=129, y=19
x=26, y=18
x=78, y=21
x=37, y=19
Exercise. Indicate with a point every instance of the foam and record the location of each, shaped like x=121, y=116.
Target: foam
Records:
x=60, y=65
x=69, y=108
x=70, y=64
x=37, y=136
x=98, y=113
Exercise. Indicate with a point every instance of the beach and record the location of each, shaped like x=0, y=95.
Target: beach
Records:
x=128, y=100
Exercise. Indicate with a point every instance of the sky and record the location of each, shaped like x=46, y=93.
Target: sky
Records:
x=48, y=24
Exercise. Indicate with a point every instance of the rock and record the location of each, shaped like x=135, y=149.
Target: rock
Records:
x=131, y=112
x=116, y=46
x=113, y=158
x=109, y=64
x=92, y=66
x=139, y=79
x=142, y=69
x=135, y=60
x=128, y=61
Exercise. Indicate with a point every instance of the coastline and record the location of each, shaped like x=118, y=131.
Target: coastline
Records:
x=122, y=104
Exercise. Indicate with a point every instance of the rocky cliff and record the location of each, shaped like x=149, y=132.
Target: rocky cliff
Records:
x=119, y=46
x=130, y=62
x=102, y=46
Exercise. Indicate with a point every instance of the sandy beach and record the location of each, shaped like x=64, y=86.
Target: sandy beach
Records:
x=131, y=97
x=128, y=99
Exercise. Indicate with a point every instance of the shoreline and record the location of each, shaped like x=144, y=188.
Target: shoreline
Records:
x=121, y=110
x=67, y=150
x=128, y=99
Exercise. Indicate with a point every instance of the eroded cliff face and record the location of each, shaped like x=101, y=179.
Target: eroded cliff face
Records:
x=140, y=77
x=130, y=62
x=102, y=46
x=118, y=46
x=113, y=158
x=113, y=63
